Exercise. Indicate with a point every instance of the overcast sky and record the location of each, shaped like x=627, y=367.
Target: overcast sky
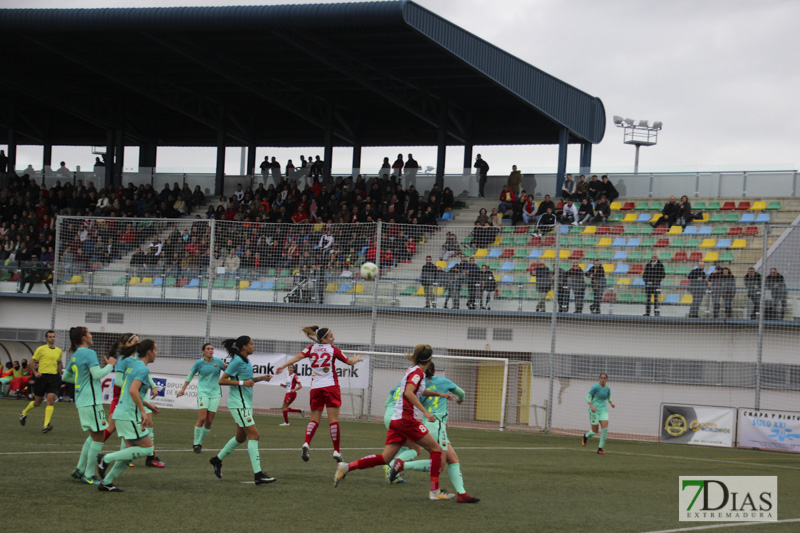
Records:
x=720, y=74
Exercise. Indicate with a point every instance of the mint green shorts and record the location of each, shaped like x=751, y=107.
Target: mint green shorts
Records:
x=204, y=402
x=598, y=416
x=131, y=430
x=438, y=429
x=93, y=418
x=243, y=417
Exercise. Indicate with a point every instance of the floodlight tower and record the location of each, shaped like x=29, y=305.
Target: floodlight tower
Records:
x=641, y=134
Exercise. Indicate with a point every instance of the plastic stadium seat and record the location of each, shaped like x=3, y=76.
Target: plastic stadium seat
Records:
x=711, y=257
x=738, y=244
x=535, y=241
x=563, y=242
x=604, y=230
x=172, y=282
x=608, y=268
x=717, y=218
x=610, y=297
x=616, y=206
x=535, y=254
x=621, y=268
x=662, y=243
x=633, y=242
x=494, y=265
x=661, y=230
x=747, y=217
x=270, y=285
x=606, y=255
x=762, y=218
x=135, y=280
x=617, y=230
x=441, y=264
x=713, y=206
x=243, y=284
x=121, y=281
x=708, y=243
x=725, y=257
x=723, y=243
x=548, y=241
x=590, y=230
x=645, y=230
x=409, y=290
x=690, y=230
x=680, y=256
x=345, y=288
x=446, y=216
x=657, y=205
x=671, y=299
x=675, y=230
x=759, y=206
x=700, y=206
x=577, y=254
x=632, y=229
x=686, y=299
x=256, y=285
x=692, y=243
x=638, y=282
x=195, y=282
x=736, y=230
x=507, y=266
x=624, y=281
x=604, y=242
x=705, y=230
x=694, y=257
x=76, y=278
x=642, y=206
x=751, y=231
x=773, y=206
x=628, y=206
x=728, y=206
x=507, y=279
x=665, y=256
x=677, y=243
x=619, y=241
x=743, y=206
x=520, y=267
x=521, y=253
x=183, y=282
x=649, y=242
x=636, y=269
x=549, y=254
x=158, y=282
x=482, y=252
x=620, y=255
x=710, y=270
x=146, y=282
x=521, y=229
x=644, y=217
x=508, y=253
x=719, y=230
x=630, y=217
x=731, y=218
x=576, y=241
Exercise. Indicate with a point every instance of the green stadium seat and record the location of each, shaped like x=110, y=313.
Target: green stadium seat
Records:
x=639, y=298
x=591, y=255
x=677, y=242
x=576, y=229
x=648, y=242
x=636, y=255
x=576, y=241
x=773, y=206
x=615, y=217
x=171, y=282
x=646, y=230
x=683, y=270
x=714, y=206
x=717, y=218
x=719, y=230
x=658, y=206
x=642, y=206
x=700, y=206
x=665, y=256
x=121, y=281
x=726, y=257
x=731, y=218
x=606, y=255
x=669, y=270
x=692, y=243
x=521, y=253
x=631, y=229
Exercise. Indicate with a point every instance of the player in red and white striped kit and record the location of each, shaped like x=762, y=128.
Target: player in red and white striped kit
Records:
x=325, y=392
x=292, y=384
x=405, y=426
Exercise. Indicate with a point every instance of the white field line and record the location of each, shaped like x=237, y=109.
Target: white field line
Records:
x=720, y=526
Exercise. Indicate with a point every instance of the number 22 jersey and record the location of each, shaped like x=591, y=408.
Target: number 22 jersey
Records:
x=323, y=368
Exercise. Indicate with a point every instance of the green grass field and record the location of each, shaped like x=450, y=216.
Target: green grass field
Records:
x=526, y=482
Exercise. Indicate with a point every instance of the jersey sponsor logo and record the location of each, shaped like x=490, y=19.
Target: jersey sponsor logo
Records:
x=415, y=379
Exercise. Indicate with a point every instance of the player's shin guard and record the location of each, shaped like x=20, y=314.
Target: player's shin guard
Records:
x=255, y=458
x=423, y=465
x=106, y=434
x=335, y=435
x=203, y=434
x=603, y=436
x=286, y=416
x=228, y=449
x=123, y=458
x=94, y=449
x=454, y=472
x=48, y=414
x=405, y=455
x=589, y=434
x=366, y=462
x=28, y=409
x=81, y=467
x=310, y=430
x=436, y=466
x=198, y=432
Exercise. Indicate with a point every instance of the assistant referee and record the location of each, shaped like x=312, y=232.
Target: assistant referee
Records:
x=48, y=379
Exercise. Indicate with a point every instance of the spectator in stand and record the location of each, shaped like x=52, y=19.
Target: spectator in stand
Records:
x=698, y=284
x=507, y=199
x=577, y=284
x=723, y=285
x=410, y=171
x=514, y=180
x=397, y=167
x=602, y=210
x=473, y=280
x=63, y=171
x=265, y=167
x=569, y=213
x=38, y=272
x=495, y=218
x=528, y=209
x=585, y=212
x=669, y=214
x=231, y=264
x=595, y=189
x=776, y=297
x=487, y=286
x=428, y=279
x=275, y=170
x=482, y=217
x=684, y=215
x=450, y=247
x=544, y=284
x=568, y=189
x=544, y=204
x=545, y=223
x=138, y=262
x=483, y=172
x=608, y=190
x=653, y=275
x=752, y=282
x=448, y=201
x=598, y=282
x=581, y=188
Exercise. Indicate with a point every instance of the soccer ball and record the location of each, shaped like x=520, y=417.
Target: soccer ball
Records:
x=369, y=271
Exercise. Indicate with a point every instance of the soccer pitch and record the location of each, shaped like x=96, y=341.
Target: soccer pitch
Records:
x=526, y=482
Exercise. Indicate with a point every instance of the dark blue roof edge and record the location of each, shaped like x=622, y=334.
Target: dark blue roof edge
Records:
x=583, y=114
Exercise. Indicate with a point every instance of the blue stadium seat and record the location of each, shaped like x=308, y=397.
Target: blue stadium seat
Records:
x=633, y=242
x=446, y=216
x=704, y=230
x=622, y=268
x=535, y=254
x=158, y=282
x=644, y=217
x=451, y=264
x=638, y=282
x=621, y=255
x=494, y=253
x=268, y=285
x=619, y=241
x=194, y=283
x=344, y=288
x=690, y=230
x=672, y=299
x=748, y=217
x=507, y=279
x=256, y=285
x=507, y=266
x=763, y=218
x=723, y=243
x=710, y=270
x=564, y=228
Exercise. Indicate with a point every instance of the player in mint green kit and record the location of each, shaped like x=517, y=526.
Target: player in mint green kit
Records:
x=207, y=369
x=131, y=417
x=239, y=377
x=84, y=371
x=441, y=389
x=598, y=395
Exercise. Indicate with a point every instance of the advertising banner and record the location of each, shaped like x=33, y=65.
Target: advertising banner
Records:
x=698, y=424
x=727, y=499
x=769, y=430
x=350, y=377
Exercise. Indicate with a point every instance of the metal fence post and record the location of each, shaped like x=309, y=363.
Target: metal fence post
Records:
x=56, y=257
x=210, y=276
x=697, y=185
x=553, y=330
x=374, y=319
x=760, y=342
x=744, y=184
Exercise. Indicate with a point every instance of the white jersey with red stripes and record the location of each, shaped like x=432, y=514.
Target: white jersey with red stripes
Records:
x=404, y=409
x=323, y=368
x=290, y=383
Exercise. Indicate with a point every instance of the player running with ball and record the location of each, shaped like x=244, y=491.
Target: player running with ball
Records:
x=598, y=395
x=405, y=426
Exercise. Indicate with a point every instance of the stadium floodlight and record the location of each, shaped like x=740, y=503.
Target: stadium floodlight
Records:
x=638, y=134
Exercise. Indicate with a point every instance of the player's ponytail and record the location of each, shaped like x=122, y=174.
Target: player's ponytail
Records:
x=76, y=336
x=120, y=344
x=142, y=347
x=316, y=333
x=422, y=354
x=431, y=371
x=234, y=346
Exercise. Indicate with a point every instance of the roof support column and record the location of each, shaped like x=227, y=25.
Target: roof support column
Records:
x=563, y=139
x=251, y=160
x=119, y=152
x=219, y=177
x=586, y=158
x=356, y=160
x=109, y=168
x=148, y=153
x=47, y=144
x=467, y=159
x=327, y=157
x=12, y=138
x=442, y=146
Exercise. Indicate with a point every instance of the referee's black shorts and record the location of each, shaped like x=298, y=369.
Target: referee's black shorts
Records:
x=48, y=383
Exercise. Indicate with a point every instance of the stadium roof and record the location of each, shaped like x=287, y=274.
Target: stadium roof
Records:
x=377, y=73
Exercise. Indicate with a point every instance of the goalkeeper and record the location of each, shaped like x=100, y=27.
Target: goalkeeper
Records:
x=597, y=397
x=437, y=406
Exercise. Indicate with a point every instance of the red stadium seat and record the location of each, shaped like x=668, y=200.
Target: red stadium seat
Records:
x=508, y=253
x=548, y=241
x=636, y=269
x=680, y=256
x=662, y=243
x=617, y=230
x=610, y=297
x=743, y=206
x=735, y=231
x=604, y=230
x=560, y=206
x=684, y=283
x=728, y=206
x=661, y=230
x=750, y=231
x=535, y=241
x=521, y=229
x=577, y=254
x=694, y=257
x=628, y=206
x=182, y=282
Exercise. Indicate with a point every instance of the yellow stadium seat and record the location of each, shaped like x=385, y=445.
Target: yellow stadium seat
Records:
x=563, y=254
x=549, y=296
x=583, y=266
x=420, y=291
x=675, y=230
x=630, y=217
x=331, y=287
x=549, y=254
x=589, y=230
x=497, y=278
x=710, y=257
x=438, y=291
x=759, y=206
x=146, y=281
x=497, y=241
x=655, y=217
x=608, y=268
x=686, y=300
x=738, y=244
x=532, y=280
x=482, y=252
x=134, y=280
x=616, y=206
x=359, y=289
x=624, y=281
x=77, y=278
x=605, y=241
x=243, y=284
x=708, y=243
x=441, y=264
